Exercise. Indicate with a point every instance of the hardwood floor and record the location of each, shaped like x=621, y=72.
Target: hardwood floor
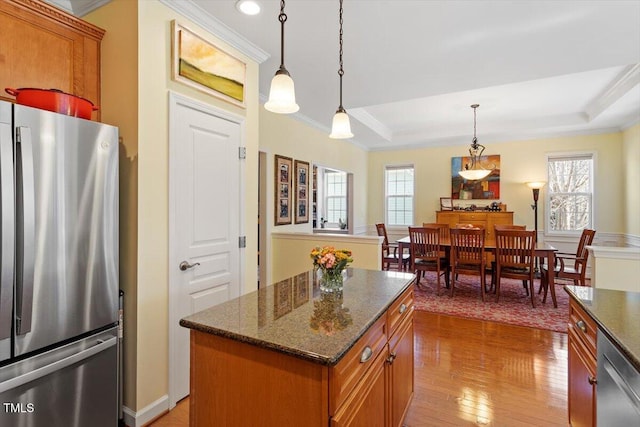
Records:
x=474, y=373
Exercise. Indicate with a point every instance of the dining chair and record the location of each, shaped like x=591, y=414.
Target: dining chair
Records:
x=442, y=228
x=515, y=252
x=390, y=254
x=491, y=262
x=427, y=254
x=571, y=266
x=509, y=227
x=467, y=255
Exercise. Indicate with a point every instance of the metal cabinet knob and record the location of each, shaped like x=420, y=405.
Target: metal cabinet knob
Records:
x=592, y=380
x=391, y=358
x=184, y=265
x=582, y=326
x=403, y=308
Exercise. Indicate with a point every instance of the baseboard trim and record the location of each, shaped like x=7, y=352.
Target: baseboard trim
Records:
x=146, y=414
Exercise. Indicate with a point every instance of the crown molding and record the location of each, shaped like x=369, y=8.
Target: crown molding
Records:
x=78, y=8
x=623, y=83
x=191, y=11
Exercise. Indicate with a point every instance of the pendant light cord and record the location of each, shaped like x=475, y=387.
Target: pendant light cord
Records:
x=282, y=17
x=341, y=70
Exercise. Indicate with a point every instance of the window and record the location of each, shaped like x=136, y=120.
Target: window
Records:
x=399, y=195
x=570, y=192
x=335, y=196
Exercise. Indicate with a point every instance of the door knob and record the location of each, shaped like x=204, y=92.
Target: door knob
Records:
x=184, y=265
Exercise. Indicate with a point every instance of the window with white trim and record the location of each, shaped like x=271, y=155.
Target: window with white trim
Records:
x=335, y=185
x=569, y=193
x=399, y=189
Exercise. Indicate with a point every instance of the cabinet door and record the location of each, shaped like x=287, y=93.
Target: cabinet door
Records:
x=365, y=406
x=400, y=369
x=581, y=392
x=497, y=218
x=447, y=217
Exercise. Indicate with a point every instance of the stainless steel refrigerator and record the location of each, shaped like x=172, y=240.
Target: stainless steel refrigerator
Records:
x=59, y=270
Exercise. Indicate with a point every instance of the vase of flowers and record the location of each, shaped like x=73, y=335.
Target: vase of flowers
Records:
x=331, y=262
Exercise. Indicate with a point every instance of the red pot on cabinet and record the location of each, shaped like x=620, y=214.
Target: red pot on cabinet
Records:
x=54, y=100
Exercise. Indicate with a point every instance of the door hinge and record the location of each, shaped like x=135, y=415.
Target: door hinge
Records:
x=242, y=242
x=242, y=152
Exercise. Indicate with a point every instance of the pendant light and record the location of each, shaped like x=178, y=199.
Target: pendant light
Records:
x=340, y=128
x=474, y=171
x=282, y=96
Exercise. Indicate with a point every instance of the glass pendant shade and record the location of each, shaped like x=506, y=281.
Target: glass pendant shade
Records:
x=341, y=127
x=474, y=174
x=282, y=95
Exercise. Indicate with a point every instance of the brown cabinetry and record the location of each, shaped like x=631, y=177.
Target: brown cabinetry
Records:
x=582, y=367
x=371, y=385
x=487, y=220
x=44, y=47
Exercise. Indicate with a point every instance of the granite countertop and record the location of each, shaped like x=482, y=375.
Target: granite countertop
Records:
x=292, y=316
x=617, y=314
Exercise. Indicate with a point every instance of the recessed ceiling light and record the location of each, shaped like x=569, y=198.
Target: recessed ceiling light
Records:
x=248, y=7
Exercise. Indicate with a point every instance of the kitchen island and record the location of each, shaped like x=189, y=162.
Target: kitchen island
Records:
x=289, y=354
x=604, y=356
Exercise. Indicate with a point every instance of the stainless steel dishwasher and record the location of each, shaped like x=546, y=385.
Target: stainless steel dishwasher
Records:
x=618, y=389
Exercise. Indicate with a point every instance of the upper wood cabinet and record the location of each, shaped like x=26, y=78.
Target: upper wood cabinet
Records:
x=44, y=47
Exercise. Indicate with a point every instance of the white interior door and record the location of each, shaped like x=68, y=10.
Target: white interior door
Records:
x=204, y=217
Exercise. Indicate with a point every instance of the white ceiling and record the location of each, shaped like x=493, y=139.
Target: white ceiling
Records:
x=413, y=68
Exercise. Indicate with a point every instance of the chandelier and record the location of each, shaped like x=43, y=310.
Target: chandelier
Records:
x=474, y=171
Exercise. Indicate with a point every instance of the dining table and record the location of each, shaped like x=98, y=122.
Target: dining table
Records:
x=542, y=250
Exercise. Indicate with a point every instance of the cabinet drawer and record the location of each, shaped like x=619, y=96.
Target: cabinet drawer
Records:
x=399, y=310
x=584, y=327
x=472, y=216
x=344, y=377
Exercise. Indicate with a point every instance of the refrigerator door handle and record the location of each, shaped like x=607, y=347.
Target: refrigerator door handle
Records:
x=20, y=380
x=26, y=229
x=7, y=218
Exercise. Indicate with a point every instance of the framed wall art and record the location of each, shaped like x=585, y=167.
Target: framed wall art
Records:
x=446, y=204
x=200, y=64
x=485, y=188
x=282, y=189
x=302, y=191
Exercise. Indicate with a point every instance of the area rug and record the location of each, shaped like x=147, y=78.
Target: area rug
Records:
x=513, y=308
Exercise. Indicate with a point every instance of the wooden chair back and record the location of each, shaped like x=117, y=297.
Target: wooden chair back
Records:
x=426, y=254
x=467, y=255
x=509, y=227
x=467, y=247
x=424, y=244
x=582, y=254
x=515, y=250
x=515, y=254
x=382, y=232
x=442, y=228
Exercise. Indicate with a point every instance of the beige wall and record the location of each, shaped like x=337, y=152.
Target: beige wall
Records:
x=521, y=161
x=120, y=107
x=150, y=380
x=631, y=168
x=286, y=136
x=297, y=247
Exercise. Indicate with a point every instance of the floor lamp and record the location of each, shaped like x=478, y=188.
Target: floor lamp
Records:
x=536, y=186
